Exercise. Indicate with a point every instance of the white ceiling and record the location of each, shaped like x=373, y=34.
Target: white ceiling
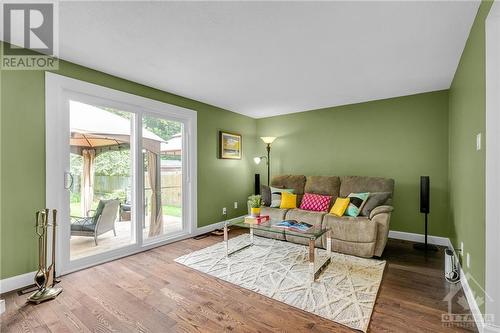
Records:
x=268, y=58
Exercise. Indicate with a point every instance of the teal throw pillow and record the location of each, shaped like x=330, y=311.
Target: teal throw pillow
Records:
x=357, y=201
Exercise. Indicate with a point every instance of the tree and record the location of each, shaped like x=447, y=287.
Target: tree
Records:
x=113, y=163
x=165, y=129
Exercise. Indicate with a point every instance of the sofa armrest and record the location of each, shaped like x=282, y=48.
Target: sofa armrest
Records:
x=381, y=215
x=380, y=210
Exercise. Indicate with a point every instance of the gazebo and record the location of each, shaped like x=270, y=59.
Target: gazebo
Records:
x=95, y=130
x=173, y=146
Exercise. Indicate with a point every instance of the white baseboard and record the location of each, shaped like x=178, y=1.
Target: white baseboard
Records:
x=214, y=226
x=24, y=280
x=409, y=236
x=491, y=329
x=474, y=308
x=16, y=282
x=444, y=241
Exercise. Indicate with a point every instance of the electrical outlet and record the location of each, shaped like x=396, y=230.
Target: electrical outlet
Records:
x=224, y=211
x=236, y=205
x=468, y=260
x=478, y=141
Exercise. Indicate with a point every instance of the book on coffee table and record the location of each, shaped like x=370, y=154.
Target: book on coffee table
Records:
x=294, y=225
x=256, y=219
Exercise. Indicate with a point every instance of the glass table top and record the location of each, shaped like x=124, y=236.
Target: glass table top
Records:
x=315, y=231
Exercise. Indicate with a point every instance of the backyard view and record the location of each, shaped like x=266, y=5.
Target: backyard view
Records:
x=111, y=176
x=101, y=198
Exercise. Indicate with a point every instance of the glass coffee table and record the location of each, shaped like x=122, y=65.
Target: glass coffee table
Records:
x=316, y=264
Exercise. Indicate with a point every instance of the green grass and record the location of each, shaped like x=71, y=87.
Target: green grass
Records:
x=167, y=210
x=172, y=210
x=75, y=209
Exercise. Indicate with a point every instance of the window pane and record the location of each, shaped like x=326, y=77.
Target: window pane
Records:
x=101, y=169
x=162, y=158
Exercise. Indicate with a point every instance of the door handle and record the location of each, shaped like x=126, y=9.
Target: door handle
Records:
x=185, y=157
x=68, y=175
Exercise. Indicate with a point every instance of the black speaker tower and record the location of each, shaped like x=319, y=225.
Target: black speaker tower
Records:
x=425, y=207
x=257, y=183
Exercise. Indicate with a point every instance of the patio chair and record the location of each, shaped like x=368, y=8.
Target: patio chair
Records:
x=102, y=221
x=125, y=211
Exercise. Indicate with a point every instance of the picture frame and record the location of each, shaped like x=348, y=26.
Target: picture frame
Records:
x=230, y=145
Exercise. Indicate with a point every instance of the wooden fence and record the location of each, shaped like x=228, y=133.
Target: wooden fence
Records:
x=171, y=182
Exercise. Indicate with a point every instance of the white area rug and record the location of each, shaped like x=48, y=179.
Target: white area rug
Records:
x=345, y=291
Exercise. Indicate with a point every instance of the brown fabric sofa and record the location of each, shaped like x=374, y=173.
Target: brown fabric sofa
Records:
x=363, y=236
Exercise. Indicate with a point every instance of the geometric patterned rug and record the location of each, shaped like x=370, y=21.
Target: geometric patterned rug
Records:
x=345, y=292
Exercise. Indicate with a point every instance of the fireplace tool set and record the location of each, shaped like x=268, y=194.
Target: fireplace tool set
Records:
x=45, y=277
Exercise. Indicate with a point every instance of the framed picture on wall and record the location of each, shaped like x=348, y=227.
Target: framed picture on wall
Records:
x=229, y=145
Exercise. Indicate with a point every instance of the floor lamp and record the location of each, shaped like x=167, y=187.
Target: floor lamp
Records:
x=267, y=140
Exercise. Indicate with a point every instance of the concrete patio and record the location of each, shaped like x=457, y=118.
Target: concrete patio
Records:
x=84, y=246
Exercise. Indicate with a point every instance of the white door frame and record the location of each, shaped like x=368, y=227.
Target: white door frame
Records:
x=58, y=90
x=492, y=261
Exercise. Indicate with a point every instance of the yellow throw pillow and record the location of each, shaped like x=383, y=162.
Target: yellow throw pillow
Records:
x=340, y=206
x=288, y=200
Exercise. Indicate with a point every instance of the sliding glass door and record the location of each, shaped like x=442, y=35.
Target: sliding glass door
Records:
x=121, y=171
x=101, y=201
x=162, y=166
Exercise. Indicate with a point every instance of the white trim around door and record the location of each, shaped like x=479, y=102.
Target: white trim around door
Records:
x=492, y=262
x=58, y=91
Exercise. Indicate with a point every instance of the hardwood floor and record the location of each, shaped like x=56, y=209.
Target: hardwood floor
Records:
x=149, y=292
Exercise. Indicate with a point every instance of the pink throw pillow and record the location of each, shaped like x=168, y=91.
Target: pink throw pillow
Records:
x=315, y=202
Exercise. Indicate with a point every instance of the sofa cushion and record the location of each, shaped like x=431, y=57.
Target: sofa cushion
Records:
x=295, y=182
x=356, y=184
x=314, y=218
x=351, y=229
x=273, y=213
x=315, y=202
x=84, y=224
x=324, y=185
x=374, y=200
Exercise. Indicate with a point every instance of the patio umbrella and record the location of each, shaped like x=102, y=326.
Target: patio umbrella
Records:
x=93, y=127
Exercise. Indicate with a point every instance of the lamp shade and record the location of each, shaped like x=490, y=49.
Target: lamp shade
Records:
x=268, y=139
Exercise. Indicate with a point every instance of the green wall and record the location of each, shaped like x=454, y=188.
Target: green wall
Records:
x=402, y=138
x=426, y=134
x=22, y=150
x=467, y=165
